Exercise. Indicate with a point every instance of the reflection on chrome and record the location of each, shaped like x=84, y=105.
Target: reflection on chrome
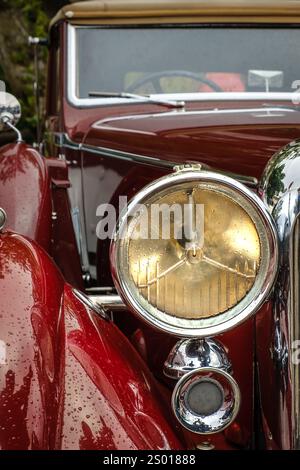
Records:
x=3, y=218
x=206, y=401
x=191, y=354
x=280, y=188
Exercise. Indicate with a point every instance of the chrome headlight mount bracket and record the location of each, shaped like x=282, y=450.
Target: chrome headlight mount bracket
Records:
x=193, y=354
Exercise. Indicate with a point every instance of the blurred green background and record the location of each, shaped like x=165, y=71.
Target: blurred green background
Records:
x=18, y=20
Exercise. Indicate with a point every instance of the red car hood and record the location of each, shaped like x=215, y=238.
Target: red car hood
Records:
x=237, y=137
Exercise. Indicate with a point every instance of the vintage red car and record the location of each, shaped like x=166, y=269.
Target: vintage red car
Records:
x=120, y=330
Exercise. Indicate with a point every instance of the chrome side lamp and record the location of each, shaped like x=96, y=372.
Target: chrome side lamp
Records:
x=206, y=398
x=10, y=113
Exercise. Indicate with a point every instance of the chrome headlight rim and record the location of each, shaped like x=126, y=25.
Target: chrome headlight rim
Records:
x=236, y=315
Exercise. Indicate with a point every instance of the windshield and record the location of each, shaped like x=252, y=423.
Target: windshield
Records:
x=178, y=60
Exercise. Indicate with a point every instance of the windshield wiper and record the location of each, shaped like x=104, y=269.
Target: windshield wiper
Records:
x=144, y=98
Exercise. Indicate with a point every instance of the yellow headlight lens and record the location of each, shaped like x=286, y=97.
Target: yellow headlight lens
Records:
x=202, y=282
x=203, y=275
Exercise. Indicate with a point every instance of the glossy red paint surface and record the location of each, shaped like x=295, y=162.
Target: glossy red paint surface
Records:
x=104, y=181
x=240, y=141
x=25, y=192
x=72, y=380
x=58, y=383
x=240, y=138
x=30, y=290
x=31, y=189
x=237, y=137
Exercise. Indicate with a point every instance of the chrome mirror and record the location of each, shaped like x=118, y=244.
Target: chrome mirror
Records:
x=10, y=112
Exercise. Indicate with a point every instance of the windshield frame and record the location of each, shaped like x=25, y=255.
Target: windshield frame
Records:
x=93, y=102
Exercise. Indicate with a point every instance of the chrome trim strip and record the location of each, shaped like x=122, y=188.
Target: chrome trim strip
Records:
x=71, y=66
x=263, y=111
x=217, y=96
x=80, y=239
x=231, y=96
x=295, y=265
x=280, y=189
x=62, y=140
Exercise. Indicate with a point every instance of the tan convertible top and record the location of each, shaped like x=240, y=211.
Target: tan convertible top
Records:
x=178, y=11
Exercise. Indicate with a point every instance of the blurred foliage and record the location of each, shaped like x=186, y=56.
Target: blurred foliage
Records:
x=18, y=20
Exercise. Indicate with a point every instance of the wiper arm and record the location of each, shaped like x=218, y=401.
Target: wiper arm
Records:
x=145, y=98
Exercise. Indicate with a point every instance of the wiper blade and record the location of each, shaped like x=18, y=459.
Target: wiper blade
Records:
x=144, y=98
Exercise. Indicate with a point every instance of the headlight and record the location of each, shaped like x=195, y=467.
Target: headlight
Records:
x=195, y=253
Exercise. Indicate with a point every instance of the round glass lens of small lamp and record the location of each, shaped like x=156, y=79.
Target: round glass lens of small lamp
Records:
x=204, y=398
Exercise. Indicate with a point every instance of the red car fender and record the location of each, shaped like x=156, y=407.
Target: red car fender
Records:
x=25, y=192
x=33, y=192
x=68, y=378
